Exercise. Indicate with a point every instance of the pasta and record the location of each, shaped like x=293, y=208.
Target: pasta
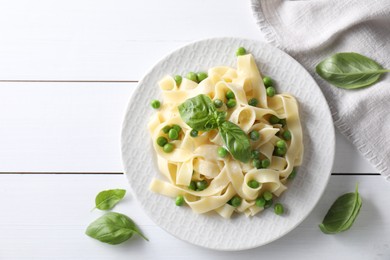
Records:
x=194, y=160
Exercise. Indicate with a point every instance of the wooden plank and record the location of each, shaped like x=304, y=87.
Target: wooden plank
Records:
x=62, y=126
x=44, y=216
x=75, y=127
x=116, y=40
x=348, y=159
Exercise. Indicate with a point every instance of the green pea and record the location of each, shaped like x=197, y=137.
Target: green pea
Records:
x=255, y=154
x=278, y=209
x=267, y=81
x=222, y=152
x=265, y=163
x=166, y=129
x=283, y=122
x=194, y=133
x=236, y=201
x=177, y=128
x=230, y=94
x=267, y=195
x=202, y=76
x=192, y=76
x=179, y=200
x=178, y=79
x=173, y=134
x=256, y=163
x=287, y=135
x=274, y=119
x=240, y=51
x=270, y=91
x=253, y=184
x=260, y=202
x=253, y=102
x=268, y=203
x=161, y=141
x=292, y=174
x=201, y=185
x=281, y=144
x=231, y=103
x=155, y=104
x=280, y=151
x=218, y=103
x=168, y=148
x=192, y=185
x=254, y=135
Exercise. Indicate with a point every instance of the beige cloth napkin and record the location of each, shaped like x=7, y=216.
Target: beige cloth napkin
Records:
x=312, y=30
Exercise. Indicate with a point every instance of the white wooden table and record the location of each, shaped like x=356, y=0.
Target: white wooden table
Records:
x=67, y=71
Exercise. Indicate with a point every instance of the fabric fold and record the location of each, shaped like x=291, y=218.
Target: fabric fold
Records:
x=315, y=29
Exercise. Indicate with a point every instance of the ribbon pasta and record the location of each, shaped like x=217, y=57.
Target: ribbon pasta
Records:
x=196, y=158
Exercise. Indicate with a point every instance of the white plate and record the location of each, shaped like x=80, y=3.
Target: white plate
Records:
x=240, y=232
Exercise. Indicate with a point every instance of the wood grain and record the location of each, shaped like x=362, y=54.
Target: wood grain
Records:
x=100, y=40
x=57, y=208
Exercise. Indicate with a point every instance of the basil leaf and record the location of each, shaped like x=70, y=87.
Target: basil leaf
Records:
x=107, y=199
x=199, y=113
x=220, y=117
x=356, y=211
x=342, y=213
x=350, y=70
x=113, y=228
x=236, y=141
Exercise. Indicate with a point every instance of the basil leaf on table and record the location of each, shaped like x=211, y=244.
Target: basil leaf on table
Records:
x=107, y=199
x=342, y=213
x=199, y=113
x=350, y=70
x=113, y=228
x=236, y=141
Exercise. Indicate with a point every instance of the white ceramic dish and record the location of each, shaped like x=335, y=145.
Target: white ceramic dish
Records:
x=211, y=230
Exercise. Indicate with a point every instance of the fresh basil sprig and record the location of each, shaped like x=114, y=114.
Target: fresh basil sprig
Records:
x=113, y=228
x=236, y=140
x=342, y=213
x=200, y=114
x=350, y=70
x=107, y=199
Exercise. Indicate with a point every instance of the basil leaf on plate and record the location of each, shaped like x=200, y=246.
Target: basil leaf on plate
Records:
x=220, y=117
x=199, y=113
x=350, y=70
x=107, y=199
x=342, y=213
x=113, y=228
x=236, y=141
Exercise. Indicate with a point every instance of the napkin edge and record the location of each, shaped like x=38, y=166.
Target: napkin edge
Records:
x=265, y=27
x=272, y=38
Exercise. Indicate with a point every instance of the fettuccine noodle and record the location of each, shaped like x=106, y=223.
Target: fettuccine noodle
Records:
x=196, y=158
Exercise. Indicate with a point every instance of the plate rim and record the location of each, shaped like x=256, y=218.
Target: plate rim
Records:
x=227, y=38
